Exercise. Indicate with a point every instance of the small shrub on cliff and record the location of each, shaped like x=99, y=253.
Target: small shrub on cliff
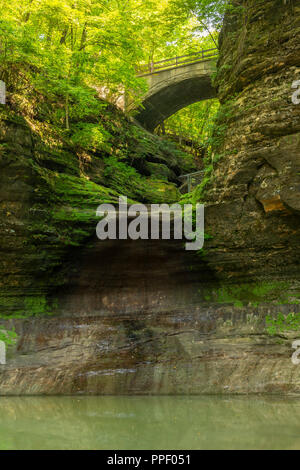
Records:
x=283, y=323
x=9, y=337
x=91, y=137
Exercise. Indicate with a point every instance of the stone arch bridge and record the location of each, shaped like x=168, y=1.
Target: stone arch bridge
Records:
x=174, y=84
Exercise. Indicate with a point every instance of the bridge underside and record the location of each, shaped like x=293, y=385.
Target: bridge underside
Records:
x=159, y=106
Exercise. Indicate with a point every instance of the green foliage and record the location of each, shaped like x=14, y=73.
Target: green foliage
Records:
x=213, y=127
x=194, y=122
x=197, y=195
x=282, y=323
x=66, y=54
x=35, y=305
x=91, y=136
x=209, y=14
x=9, y=337
x=126, y=180
x=216, y=132
x=219, y=127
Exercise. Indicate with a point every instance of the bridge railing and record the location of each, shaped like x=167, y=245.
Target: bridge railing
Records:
x=191, y=180
x=178, y=61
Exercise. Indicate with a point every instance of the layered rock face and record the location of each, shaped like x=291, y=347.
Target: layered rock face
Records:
x=254, y=194
x=220, y=350
x=146, y=317
x=50, y=190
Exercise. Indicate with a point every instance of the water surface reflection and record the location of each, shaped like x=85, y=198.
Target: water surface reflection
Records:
x=149, y=423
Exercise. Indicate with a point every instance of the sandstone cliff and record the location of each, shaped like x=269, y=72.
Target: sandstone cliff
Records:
x=148, y=318
x=253, y=195
x=50, y=188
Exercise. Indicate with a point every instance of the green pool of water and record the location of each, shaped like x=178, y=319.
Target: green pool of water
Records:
x=149, y=423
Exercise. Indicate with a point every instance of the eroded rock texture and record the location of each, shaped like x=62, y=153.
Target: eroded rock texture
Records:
x=254, y=194
x=220, y=350
x=50, y=190
x=148, y=318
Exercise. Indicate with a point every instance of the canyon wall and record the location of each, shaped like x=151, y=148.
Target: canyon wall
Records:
x=253, y=196
x=147, y=317
x=50, y=188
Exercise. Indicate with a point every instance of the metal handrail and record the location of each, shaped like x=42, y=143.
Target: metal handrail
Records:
x=177, y=62
x=189, y=179
x=192, y=174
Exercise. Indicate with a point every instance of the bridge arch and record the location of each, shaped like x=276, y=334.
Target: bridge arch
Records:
x=174, y=84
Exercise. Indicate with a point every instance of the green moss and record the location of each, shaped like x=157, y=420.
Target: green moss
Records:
x=159, y=171
x=28, y=306
x=61, y=178
x=9, y=337
x=37, y=305
x=128, y=182
x=250, y=293
x=282, y=323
